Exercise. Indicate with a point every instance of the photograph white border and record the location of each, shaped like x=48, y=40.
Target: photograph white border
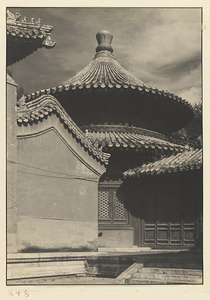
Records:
x=107, y=292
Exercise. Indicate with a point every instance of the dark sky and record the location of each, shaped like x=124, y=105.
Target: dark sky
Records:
x=161, y=47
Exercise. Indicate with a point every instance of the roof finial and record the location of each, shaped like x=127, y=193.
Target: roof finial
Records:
x=104, y=39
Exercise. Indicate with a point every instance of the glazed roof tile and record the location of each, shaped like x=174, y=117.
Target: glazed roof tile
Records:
x=117, y=137
x=43, y=107
x=188, y=160
x=20, y=31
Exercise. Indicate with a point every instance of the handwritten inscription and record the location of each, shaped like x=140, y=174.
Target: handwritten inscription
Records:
x=18, y=293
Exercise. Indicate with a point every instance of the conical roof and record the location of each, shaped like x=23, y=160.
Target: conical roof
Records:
x=105, y=93
x=104, y=70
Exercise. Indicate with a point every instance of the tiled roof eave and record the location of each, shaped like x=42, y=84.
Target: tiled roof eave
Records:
x=141, y=89
x=132, y=141
x=31, y=34
x=19, y=26
x=23, y=37
x=182, y=162
x=44, y=106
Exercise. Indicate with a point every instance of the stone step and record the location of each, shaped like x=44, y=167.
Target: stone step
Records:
x=130, y=249
x=56, y=268
x=135, y=267
x=176, y=265
x=174, y=258
x=159, y=282
x=171, y=271
x=166, y=277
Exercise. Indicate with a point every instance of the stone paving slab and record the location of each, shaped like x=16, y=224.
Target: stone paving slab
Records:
x=63, y=280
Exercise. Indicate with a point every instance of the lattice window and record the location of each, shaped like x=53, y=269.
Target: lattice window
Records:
x=119, y=210
x=110, y=210
x=104, y=205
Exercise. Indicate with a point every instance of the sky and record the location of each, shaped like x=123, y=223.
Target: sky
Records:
x=160, y=46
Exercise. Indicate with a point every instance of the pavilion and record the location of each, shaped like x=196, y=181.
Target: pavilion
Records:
x=125, y=118
x=75, y=152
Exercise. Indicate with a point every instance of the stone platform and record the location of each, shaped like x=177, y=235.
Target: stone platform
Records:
x=118, y=264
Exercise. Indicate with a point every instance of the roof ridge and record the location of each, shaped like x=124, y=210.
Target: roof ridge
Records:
x=25, y=32
x=43, y=106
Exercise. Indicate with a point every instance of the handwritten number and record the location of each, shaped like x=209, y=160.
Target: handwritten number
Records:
x=19, y=293
x=10, y=293
x=26, y=293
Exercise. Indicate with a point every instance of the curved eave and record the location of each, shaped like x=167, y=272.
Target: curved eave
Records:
x=127, y=141
x=141, y=89
x=182, y=162
x=43, y=107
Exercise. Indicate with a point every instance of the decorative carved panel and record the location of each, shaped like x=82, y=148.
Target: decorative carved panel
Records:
x=169, y=233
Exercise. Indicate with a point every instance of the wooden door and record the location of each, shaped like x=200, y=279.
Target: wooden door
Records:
x=166, y=222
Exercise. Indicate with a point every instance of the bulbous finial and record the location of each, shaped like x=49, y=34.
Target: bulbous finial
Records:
x=104, y=39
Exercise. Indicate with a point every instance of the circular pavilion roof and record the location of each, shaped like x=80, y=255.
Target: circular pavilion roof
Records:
x=104, y=71
x=105, y=93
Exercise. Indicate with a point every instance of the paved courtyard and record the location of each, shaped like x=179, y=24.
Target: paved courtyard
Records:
x=63, y=280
